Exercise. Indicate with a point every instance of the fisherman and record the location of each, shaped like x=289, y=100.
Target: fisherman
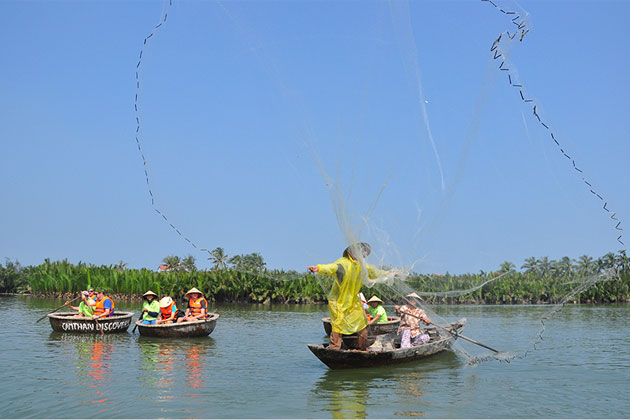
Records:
x=168, y=311
x=104, y=305
x=150, y=308
x=83, y=308
x=410, y=317
x=197, y=306
x=346, y=311
x=376, y=310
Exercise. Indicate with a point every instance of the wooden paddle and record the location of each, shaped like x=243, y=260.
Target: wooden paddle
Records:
x=136, y=326
x=57, y=309
x=455, y=333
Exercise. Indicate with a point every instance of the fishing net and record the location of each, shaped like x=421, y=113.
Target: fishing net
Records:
x=396, y=158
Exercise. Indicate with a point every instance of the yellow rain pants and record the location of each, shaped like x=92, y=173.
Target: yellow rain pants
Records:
x=346, y=310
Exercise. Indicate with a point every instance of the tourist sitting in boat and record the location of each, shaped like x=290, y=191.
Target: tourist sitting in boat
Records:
x=376, y=310
x=83, y=308
x=346, y=311
x=104, y=305
x=168, y=311
x=150, y=308
x=410, y=317
x=197, y=306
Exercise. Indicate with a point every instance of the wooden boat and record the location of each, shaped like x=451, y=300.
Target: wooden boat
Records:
x=391, y=326
x=68, y=322
x=440, y=340
x=180, y=330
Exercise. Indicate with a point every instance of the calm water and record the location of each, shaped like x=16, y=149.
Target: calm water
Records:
x=256, y=365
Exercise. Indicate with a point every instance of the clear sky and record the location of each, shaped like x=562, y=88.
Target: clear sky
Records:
x=245, y=105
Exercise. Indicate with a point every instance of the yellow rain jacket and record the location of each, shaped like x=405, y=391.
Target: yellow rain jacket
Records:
x=346, y=310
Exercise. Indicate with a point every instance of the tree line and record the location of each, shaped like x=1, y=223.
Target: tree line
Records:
x=245, y=278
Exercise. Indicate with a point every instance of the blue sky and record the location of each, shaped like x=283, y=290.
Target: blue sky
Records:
x=244, y=106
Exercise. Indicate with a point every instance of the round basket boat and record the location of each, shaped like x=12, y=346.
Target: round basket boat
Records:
x=378, y=328
x=68, y=322
x=180, y=330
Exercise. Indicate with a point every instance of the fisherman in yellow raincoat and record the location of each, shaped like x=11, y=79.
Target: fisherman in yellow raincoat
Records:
x=346, y=310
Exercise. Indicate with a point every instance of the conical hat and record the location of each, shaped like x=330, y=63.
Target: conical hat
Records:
x=193, y=290
x=150, y=293
x=414, y=295
x=375, y=299
x=165, y=301
x=362, y=297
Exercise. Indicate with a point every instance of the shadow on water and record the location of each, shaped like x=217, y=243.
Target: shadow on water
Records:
x=354, y=393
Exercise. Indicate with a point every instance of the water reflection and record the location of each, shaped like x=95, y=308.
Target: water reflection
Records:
x=93, y=364
x=346, y=395
x=167, y=363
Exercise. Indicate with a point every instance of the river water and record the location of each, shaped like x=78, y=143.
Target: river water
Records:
x=256, y=365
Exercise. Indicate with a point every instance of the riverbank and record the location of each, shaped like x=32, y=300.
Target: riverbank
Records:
x=64, y=280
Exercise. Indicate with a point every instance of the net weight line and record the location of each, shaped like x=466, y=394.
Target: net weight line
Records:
x=522, y=30
x=144, y=160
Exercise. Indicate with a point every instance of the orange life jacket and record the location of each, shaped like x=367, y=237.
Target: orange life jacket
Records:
x=168, y=311
x=195, y=306
x=99, y=309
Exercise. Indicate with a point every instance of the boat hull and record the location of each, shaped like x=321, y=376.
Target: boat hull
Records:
x=347, y=359
x=181, y=330
x=66, y=322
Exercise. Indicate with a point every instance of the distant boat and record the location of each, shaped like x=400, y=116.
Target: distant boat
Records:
x=440, y=340
x=68, y=322
x=200, y=328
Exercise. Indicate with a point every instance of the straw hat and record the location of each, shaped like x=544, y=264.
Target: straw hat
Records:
x=150, y=293
x=165, y=301
x=414, y=295
x=374, y=299
x=193, y=290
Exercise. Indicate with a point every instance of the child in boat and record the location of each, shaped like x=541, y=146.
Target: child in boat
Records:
x=168, y=311
x=410, y=317
x=376, y=310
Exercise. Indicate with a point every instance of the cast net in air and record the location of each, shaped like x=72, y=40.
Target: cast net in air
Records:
x=323, y=117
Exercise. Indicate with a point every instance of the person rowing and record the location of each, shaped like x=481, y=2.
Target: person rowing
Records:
x=346, y=310
x=410, y=317
x=84, y=310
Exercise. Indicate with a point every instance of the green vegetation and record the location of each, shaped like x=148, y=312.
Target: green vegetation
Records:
x=244, y=278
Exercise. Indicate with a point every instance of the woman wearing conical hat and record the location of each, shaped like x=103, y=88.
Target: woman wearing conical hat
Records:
x=150, y=308
x=346, y=311
x=376, y=310
x=197, y=306
x=410, y=316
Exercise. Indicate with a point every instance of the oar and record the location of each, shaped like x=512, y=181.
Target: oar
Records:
x=455, y=333
x=136, y=326
x=57, y=309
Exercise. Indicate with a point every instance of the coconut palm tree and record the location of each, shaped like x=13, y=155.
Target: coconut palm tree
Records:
x=585, y=265
x=219, y=258
x=507, y=266
x=188, y=263
x=544, y=266
x=530, y=265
